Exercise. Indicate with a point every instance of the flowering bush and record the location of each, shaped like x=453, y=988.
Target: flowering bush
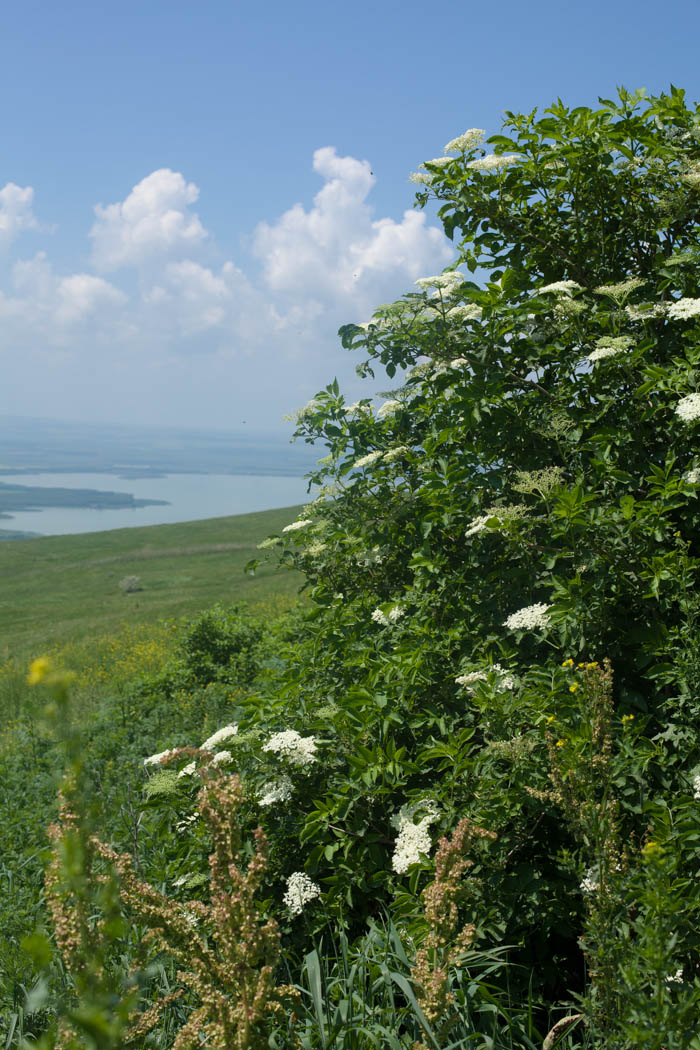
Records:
x=504, y=639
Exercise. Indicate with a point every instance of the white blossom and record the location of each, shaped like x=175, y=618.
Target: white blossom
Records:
x=219, y=736
x=465, y=312
x=413, y=838
x=155, y=760
x=693, y=476
x=675, y=978
x=446, y=281
x=222, y=758
x=300, y=890
x=529, y=618
x=477, y=525
x=424, y=178
x=684, y=309
x=386, y=619
x=437, y=162
x=274, y=791
x=396, y=453
x=558, y=288
x=368, y=460
x=271, y=541
x=298, y=750
x=388, y=408
x=602, y=352
x=646, y=311
x=688, y=408
x=621, y=290
x=493, y=162
x=504, y=679
x=355, y=407
x=188, y=770
x=590, y=882
x=459, y=362
x=471, y=138
x=298, y=525
x=696, y=787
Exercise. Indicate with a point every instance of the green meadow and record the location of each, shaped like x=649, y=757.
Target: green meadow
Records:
x=56, y=590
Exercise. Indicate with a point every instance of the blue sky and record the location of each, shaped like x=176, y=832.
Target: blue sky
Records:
x=209, y=284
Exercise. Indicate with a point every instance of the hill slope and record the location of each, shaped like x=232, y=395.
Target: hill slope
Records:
x=57, y=589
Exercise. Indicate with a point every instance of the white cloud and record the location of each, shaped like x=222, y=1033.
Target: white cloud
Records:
x=16, y=211
x=337, y=252
x=269, y=340
x=51, y=306
x=154, y=222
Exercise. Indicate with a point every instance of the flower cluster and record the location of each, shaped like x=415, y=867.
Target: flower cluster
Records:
x=219, y=736
x=688, y=408
x=222, y=758
x=298, y=750
x=559, y=288
x=529, y=618
x=274, y=791
x=693, y=476
x=300, y=890
x=443, y=281
x=602, y=352
x=621, y=290
x=684, y=309
x=493, y=162
x=471, y=138
x=696, y=786
x=465, y=312
x=297, y=525
x=590, y=882
x=155, y=760
x=386, y=619
x=646, y=311
x=424, y=178
x=368, y=460
x=388, y=408
x=413, y=838
x=396, y=453
x=542, y=481
x=504, y=680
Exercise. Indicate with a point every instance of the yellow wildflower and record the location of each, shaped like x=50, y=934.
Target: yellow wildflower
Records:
x=568, y=663
x=38, y=670
x=561, y=743
x=573, y=688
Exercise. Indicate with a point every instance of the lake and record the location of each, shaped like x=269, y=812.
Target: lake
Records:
x=191, y=497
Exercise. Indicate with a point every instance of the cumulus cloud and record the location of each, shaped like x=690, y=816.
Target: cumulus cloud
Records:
x=267, y=331
x=44, y=303
x=16, y=212
x=153, y=222
x=337, y=251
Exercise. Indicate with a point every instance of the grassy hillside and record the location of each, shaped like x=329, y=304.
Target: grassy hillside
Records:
x=60, y=589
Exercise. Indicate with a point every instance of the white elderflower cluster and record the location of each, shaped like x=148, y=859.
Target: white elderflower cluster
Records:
x=413, y=838
x=529, y=618
x=300, y=890
x=558, y=288
x=424, y=178
x=368, y=460
x=691, y=176
x=369, y=558
x=297, y=525
x=675, y=978
x=436, y=162
x=421, y=369
x=684, y=309
x=696, y=786
x=504, y=679
x=493, y=162
x=646, y=311
x=188, y=770
x=567, y=308
x=297, y=750
x=222, y=758
x=388, y=408
x=688, y=408
x=477, y=525
x=458, y=362
x=442, y=281
x=396, y=453
x=155, y=760
x=271, y=541
x=471, y=138
x=590, y=882
x=308, y=409
x=316, y=548
x=355, y=407
x=211, y=743
x=387, y=619
x=621, y=290
x=542, y=481
x=602, y=352
x=615, y=342
x=693, y=476
x=275, y=791
x=465, y=312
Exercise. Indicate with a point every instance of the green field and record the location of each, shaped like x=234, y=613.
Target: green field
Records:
x=60, y=589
